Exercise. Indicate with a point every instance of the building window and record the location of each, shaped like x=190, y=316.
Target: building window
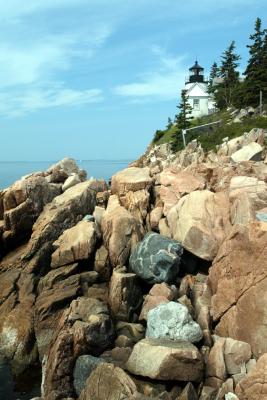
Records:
x=196, y=104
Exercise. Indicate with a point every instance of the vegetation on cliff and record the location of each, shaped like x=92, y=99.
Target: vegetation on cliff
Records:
x=230, y=88
x=231, y=93
x=212, y=135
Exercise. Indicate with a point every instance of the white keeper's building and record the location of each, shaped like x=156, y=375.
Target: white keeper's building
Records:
x=196, y=88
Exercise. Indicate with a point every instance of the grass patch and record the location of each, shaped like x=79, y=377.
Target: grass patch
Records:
x=211, y=136
x=209, y=140
x=167, y=136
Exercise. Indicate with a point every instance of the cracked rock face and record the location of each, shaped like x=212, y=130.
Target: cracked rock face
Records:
x=176, y=184
x=238, y=281
x=21, y=308
x=121, y=232
x=157, y=259
x=125, y=295
x=254, y=385
x=108, y=382
x=248, y=196
x=85, y=327
x=74, y=244
x=62, y=213
x=22, y=203
x=172, y=321
x=130, y=179
x=199, y=222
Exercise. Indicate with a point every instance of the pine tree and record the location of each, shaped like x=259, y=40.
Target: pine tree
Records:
x=264, y=61
x=224, y=92
x=229, y=65
x=169, y=124
x=182, y=121
x=256, y=71
x=214, y=72
x=183, y=118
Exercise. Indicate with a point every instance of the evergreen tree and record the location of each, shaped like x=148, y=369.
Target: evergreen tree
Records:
x=214, y=73
x=224, y=92
x=264, y=62
x=182, y=121
x=158, y=135
x=169, y=124
x=256, y=71
x=183, y=118
x=229, y=65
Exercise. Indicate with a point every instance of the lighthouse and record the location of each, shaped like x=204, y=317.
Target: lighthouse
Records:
x=196, y=87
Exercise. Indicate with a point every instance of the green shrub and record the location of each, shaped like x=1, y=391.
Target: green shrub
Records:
x=211, y=136
x=158, y=135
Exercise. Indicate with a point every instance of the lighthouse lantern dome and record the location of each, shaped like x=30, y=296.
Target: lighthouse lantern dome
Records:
x=196, y=73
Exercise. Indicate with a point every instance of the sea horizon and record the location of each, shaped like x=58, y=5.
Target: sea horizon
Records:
x=55, y=161
x=11, y=171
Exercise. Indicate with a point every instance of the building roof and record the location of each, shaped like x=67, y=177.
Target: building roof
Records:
x=196, y=89
x=196, y=66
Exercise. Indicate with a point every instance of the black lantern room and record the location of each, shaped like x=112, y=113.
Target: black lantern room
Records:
x=196, y=73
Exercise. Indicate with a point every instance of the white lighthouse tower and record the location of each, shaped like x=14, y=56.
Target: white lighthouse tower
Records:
x=196, y=88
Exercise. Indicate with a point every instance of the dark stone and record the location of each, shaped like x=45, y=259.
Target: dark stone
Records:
x=189, y=263
x=157, y=259
x=84, y=366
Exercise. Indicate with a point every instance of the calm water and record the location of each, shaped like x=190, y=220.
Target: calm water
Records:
x=12, y=171
x=25, y=389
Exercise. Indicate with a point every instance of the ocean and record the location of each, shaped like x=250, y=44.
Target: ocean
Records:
x=14, y=170
x=25, y=388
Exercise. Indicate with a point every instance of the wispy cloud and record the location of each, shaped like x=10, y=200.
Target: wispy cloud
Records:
x=22, y=66
x=44, y=58
x=48, y=46
x=36, y=99
x=162, y=83
x=17, y=8
x=36, y=58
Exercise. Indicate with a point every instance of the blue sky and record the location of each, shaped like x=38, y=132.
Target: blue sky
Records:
x=94, y=79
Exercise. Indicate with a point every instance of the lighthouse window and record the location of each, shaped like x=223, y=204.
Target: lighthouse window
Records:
x=196, y=104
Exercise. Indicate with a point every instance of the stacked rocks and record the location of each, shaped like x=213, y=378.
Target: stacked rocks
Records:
x=95, y=282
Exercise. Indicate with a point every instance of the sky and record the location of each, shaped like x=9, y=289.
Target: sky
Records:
x=94, y=79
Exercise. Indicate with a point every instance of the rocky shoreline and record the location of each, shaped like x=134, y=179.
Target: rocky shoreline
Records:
x=151, y=288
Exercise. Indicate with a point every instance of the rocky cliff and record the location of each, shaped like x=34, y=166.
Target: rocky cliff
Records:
x=153, y=288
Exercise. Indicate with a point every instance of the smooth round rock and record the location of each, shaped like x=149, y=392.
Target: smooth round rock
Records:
x=157, y=259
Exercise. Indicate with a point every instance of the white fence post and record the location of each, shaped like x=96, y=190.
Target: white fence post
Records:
x=184, y=133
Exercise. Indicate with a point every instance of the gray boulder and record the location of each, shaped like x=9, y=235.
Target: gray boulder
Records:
x=172, y=321
x=84, y=366
x=157, y=259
